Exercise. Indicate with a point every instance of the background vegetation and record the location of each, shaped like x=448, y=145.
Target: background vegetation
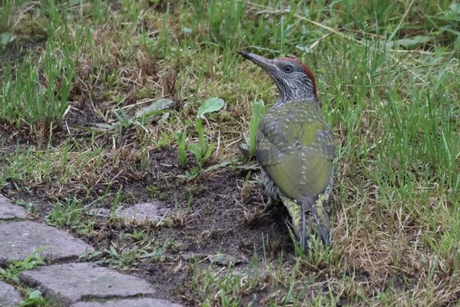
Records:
x=82, y=125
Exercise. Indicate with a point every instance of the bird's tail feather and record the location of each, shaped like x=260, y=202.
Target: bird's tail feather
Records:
x=298, y=219
x=309, y=218
x=319, y=222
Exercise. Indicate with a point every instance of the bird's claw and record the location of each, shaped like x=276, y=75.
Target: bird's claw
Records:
x=268, y=205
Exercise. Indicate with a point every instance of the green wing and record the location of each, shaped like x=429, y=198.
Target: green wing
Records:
x=295, y=147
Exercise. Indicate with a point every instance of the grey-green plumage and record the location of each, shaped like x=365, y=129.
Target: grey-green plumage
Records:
x=295, y=148
x=297, y=158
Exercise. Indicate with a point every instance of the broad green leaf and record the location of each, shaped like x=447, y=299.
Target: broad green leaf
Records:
x=5, y=38
x=211, y=105
x=35, y=294
x=412, y=42
x=455, y=7
x=159, y=105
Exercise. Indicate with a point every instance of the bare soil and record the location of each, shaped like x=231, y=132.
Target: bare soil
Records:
x=208, y=215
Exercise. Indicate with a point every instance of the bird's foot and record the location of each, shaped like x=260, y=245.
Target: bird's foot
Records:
x=268, y=205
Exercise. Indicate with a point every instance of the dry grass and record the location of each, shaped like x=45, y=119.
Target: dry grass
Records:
x=393, y=104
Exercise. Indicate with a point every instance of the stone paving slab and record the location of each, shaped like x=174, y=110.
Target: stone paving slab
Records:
x=145, y=212
x=9, y=211
x=141, y=302
x=74, y=282
x=9, y=297
x=20, y=239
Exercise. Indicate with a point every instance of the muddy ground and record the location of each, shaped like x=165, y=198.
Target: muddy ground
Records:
x=211, y=214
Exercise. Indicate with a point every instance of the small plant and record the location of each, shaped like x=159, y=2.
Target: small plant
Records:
x=228, y=281
x=115, y=202
x=158, y=254
x=34, y=299
x=70, y=214
x=32, y=261
x=25, y=99
x=140, y=235
x=65, y=214
x=123, y=258
x=201, y=150
x=181, y=136
x=158, y=190
x=258, y=112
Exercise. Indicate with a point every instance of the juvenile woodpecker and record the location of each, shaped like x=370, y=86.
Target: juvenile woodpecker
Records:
x=295, y=148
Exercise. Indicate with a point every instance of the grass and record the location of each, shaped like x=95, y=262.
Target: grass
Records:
x=11, y=274
x=74, y=74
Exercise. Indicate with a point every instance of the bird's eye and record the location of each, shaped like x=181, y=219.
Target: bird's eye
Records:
x=288, y=69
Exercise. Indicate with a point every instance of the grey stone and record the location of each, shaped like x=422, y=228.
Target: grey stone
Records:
x=143, y=212
x=99, y=212
x=250, y=272
x=9, y=211
x=222, y=259
x=9, y=297
x=141, y=302
x=73, y=282
x=150, y=212
x=20, y=239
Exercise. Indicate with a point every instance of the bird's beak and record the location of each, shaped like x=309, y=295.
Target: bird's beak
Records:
x=265, y=63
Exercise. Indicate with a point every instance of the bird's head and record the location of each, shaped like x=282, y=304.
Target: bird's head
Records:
x=294, y=79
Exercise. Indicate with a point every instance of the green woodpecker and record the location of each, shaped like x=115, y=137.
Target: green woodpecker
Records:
x=295, y=148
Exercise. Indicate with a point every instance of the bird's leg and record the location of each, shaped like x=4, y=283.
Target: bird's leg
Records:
x=269, y=204
x=272, y=191
x=304, y=239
